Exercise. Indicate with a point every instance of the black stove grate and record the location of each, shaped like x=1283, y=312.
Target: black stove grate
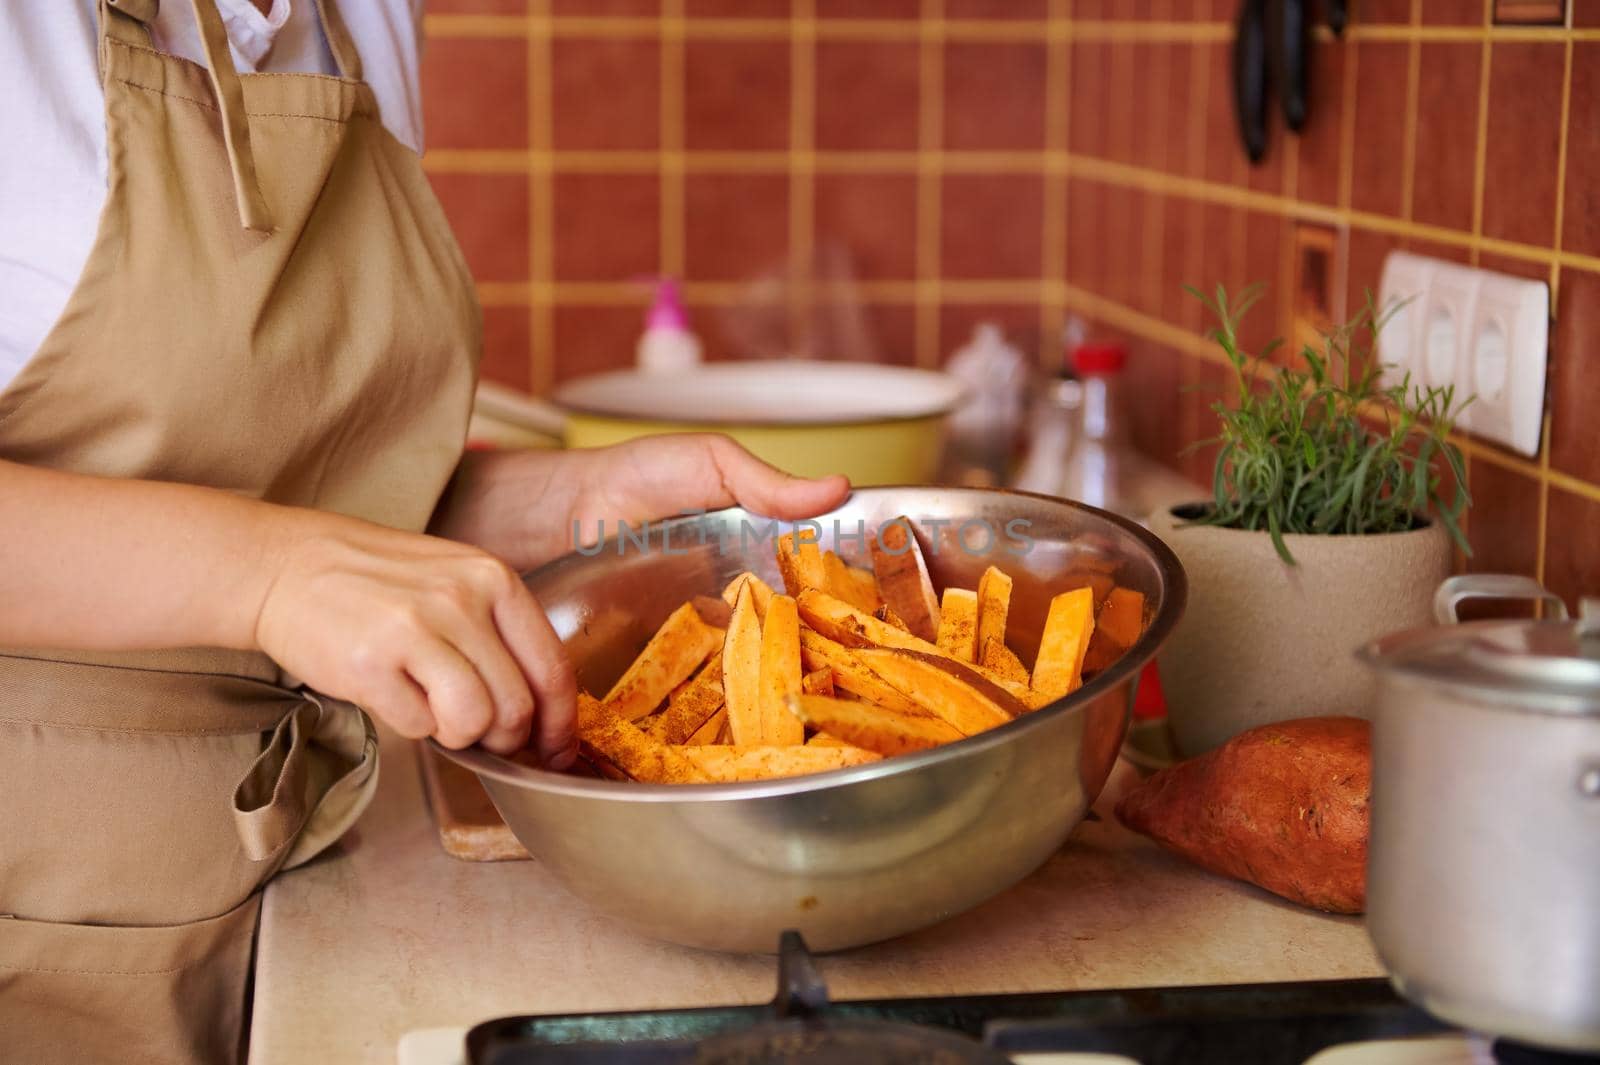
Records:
x=1263, y=1024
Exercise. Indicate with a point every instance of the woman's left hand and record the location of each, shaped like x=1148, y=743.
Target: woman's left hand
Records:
x=524, y=506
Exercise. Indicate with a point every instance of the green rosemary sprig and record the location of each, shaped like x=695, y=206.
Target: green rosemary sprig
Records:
x=1296, y=455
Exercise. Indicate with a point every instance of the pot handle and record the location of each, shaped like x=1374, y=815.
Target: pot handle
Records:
x=1491, y=586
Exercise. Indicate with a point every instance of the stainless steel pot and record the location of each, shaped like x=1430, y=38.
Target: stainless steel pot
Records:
x=1483, y=894
x=857, y=855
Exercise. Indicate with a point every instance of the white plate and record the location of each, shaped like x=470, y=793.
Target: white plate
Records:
x=787, y=392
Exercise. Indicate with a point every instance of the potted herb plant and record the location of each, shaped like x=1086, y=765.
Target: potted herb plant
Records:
x=1328, y=527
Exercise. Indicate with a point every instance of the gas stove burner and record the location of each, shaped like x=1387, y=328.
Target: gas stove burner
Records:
x=804, y=1042
x=1262, y=1024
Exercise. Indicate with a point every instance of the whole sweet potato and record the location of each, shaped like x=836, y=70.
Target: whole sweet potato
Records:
x=1283, y=806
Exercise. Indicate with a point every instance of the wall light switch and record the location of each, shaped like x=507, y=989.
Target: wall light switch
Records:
x=1487, y=334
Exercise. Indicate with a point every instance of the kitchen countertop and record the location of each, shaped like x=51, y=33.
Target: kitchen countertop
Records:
x=387, y=933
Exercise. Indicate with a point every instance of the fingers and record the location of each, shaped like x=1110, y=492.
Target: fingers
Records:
x=543, y=659
x=469, y=626
x=402, y=705
x=457, y=696
x=756, y=486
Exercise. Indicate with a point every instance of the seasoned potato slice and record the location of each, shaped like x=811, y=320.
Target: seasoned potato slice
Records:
x=608, y=738
x=673, y=653
x=903, y=579
x=872, y=728
x=1117, y=628
x=850, y=674
x=729, y=764
x=958, y=624
x=741, y=669
x=944, y=688
x=1059, y=667
x=994, y=604
x=800, y=562
x=780, y=673
x=691, y=706
x=760, y=591
x=1004, y=661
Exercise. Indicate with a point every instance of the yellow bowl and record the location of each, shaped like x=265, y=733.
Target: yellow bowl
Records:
x=875, y=424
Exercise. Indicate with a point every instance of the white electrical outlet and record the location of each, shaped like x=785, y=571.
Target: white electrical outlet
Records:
x=1484, y=333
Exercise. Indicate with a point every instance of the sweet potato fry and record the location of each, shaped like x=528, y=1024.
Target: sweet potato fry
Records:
x=903, y=580
x=606, y=737
x=741, y=668
x=889, y=617
x=760, y=591
x=818, y=682
x=822, y=739
x=689, y=709
x=994, y=604
x=678, y=647
x=958, y=624
x=866, y=588
x=850, y=674
x=944, y=688
x=800, y=562
x=1117, y=628
x=711, y=731
x=842, y=584
x=843, y=623
x=1059, y=667
x=1004, y=661
x=780, y=673
x=872, y=728
x=726, y=764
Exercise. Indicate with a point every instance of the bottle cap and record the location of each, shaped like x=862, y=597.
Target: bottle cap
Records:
x=1099, y=357
x=667, y=311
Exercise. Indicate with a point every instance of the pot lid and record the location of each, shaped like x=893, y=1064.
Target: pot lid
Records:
x=1541, y=666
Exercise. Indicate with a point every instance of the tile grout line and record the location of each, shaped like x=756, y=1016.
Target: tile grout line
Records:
x=1408, y=159
x=744, y=28
x=1481, y=147
x=930, y=140
x=1200, y=88
x=1556, y=305
x=672, y=139
x=541, y=207
x=1347, y=129
x=802, y=181
x=1155, y=206
x=985, y=162
x=1057, y=137
x=1479, y=181
x=976, y=29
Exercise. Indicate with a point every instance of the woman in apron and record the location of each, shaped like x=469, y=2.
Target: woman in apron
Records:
x=215, y=475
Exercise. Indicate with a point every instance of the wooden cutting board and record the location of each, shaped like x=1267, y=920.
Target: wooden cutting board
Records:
x=470, y=827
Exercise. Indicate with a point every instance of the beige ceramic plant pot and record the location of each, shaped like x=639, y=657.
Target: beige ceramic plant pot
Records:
x=1263, y=641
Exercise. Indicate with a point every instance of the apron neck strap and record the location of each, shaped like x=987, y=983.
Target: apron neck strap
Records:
x=235, y=123
x=339, y=40
x=127, y=22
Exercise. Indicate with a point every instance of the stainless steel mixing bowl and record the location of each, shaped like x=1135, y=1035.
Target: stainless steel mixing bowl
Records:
x=856, y=855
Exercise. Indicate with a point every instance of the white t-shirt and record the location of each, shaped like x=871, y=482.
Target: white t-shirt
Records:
x=53, y=136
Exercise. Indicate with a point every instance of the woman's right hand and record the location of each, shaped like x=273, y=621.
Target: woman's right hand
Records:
x=435, y=637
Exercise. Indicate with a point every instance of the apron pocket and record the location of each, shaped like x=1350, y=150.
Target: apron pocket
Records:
x=87, y=994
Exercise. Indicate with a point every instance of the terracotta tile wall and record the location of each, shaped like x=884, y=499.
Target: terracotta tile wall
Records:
x=1024, y=161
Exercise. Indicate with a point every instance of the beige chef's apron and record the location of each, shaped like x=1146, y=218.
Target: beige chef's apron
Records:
x=273, y=306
